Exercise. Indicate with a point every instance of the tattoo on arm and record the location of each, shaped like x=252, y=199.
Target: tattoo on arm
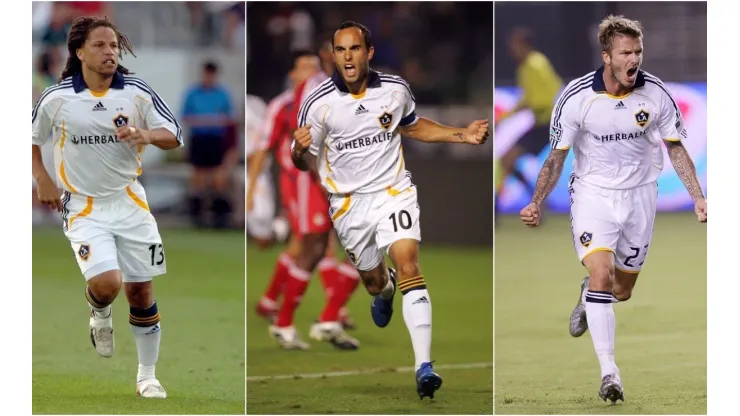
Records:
x=549, y=175
x=685, y=169
x=459, y=136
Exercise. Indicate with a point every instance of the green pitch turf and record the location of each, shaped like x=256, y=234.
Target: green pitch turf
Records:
x=201, y=363
x=461, y=287
x=661, y=340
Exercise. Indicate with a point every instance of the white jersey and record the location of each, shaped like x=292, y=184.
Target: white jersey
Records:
x=89, y=159
x=356, y=138
x=616, y=140
x=256, y=109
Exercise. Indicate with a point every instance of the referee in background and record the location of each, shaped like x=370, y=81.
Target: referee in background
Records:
x=539, y=85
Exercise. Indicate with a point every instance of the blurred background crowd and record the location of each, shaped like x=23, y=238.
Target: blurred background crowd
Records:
x=184, y=50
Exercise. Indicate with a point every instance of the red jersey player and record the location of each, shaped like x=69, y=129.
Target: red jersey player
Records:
x=308, y=211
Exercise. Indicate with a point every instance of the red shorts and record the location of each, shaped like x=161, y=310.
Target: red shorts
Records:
x=306, y=204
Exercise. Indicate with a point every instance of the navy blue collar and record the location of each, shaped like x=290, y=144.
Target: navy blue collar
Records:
x=598, y=84
x=79, y=83
x=373, y=81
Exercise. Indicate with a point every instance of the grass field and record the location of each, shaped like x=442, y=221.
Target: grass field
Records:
x=661, y=344
x=461, y=288
x=201, y=300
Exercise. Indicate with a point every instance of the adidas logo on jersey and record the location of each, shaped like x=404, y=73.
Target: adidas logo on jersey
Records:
x=620, y=106
x=422, y=299
x=99, y=107
x=361, y=110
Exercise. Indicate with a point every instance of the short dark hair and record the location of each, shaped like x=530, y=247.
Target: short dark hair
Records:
x=81, y=27
x=296, y=55
x=210, y=67
x=365, y=32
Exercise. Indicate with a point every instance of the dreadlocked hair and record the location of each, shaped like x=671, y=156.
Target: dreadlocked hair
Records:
x=81, y=28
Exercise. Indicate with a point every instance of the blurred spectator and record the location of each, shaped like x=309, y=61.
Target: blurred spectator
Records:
x=208, y=111
x=91, y=8
x=60, y=20
x=46, y=72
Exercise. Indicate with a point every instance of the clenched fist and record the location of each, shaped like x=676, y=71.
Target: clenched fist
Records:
x=303, y=139
x=477, y=132
x=530, y=215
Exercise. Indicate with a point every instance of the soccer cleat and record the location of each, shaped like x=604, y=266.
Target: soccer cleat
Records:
x=101, y=334
x=288, y=338
x=427, y=381
x=611, y=388
x=150, y=389
x=382, y=309
x=578, y=322
x=335, y=334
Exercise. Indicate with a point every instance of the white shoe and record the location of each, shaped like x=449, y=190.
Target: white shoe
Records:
x=288, y=338
x=101, y=334
x=335, y=334
x=150, y=389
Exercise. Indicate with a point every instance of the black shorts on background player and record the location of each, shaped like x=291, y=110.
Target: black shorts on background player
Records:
x=207, y=150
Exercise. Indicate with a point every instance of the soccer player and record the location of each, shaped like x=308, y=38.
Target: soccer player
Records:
x=539, y=84
x=102, y=119
x=350, y=135
x=260, y=190
x=615, y=118
x=307, y=208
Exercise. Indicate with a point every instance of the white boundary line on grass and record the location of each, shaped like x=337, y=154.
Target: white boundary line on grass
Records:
x=368, y=371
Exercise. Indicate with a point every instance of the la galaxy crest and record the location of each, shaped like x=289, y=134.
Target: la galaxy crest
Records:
x=586, y=238
x=84, y=252
x=385, y=120
x=120, y=120
x=642, y=117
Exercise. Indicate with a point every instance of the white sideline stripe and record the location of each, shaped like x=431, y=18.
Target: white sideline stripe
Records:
x=369, y=371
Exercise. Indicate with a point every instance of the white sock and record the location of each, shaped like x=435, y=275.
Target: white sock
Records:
x=389, y=289
x=417, y=313
x=602, y=326
x=148, y=333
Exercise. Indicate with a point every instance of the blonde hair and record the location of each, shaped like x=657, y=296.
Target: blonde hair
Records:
x=613, y=26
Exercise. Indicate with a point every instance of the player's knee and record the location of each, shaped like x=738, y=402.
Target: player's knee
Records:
x=105, y=286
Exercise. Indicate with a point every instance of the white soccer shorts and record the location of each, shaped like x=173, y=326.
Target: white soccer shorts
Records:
x=116, y=233
x=367, y=225
x=260, y=219
x=616, y=220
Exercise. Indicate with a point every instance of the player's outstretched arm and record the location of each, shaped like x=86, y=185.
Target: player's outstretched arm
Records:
x=684, y=167
x=549, y=175
x=429, y=131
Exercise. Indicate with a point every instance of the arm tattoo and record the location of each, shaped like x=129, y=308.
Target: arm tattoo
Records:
x=459, y=136
x=685, y=169
x=549, y=175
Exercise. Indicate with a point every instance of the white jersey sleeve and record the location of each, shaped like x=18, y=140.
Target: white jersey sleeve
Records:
x=155, y=111
x=564, y=123
x=43, y=115
x=670, y=119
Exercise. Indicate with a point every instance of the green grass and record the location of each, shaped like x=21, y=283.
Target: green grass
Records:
x=461, y=288
x=661, y=343
x=201, y=300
